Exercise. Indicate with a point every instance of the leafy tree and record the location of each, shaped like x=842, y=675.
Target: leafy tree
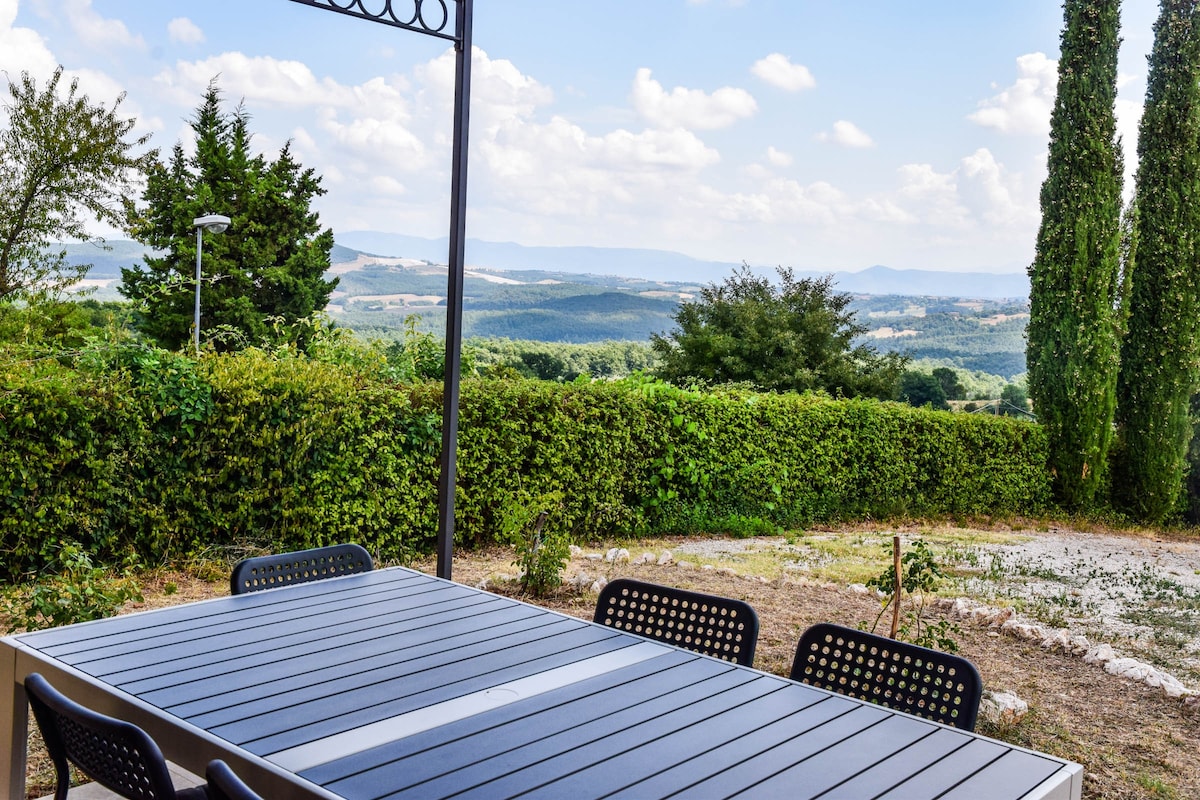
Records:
x=1014, y=401
x=1161, y=352
x=261, y=276
x=796, y=337
x=1075, y=322
x=951, y=386
x=922, y=389
x=63, y=162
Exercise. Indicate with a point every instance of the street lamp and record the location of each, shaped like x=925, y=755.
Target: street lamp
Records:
x=213, y=223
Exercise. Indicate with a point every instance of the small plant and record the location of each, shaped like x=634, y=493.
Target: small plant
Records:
x=920, y=575
x=543, y=548
x=79, y=592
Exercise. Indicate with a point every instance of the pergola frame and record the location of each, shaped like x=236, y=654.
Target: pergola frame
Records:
x=432, y=17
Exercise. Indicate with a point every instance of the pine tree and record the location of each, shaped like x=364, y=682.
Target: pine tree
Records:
x=262, y=274
x=1074, y=325
x=1161, y=353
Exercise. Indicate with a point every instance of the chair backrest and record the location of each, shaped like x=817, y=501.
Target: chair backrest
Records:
x=224, y=784
x=704, y=623
x=117, y=754
x=302, y=566
x=906, y=677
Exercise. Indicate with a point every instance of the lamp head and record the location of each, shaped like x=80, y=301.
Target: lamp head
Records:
x=213, y=223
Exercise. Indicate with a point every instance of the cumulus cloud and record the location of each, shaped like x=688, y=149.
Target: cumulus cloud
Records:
x=779, y=158
x=183, y=31
x=846, y=134
x=22, y=49
x=689, y=108
x=778, y=70
x=979, y=191
x=1025, y=106
x=97, y=31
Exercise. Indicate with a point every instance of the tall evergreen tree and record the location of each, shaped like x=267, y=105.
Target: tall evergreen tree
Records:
x=1074, y=324
x=265, y=272
x=1160, y=357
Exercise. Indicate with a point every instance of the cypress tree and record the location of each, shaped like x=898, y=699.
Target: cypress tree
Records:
x=1160, y=354
x=1074, y=325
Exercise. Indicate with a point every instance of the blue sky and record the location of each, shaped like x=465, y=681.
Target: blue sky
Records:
x=814, y=134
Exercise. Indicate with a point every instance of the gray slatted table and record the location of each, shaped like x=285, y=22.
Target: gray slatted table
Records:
x=395, y=684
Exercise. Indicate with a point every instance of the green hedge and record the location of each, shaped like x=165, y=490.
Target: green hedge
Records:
x=154, y=454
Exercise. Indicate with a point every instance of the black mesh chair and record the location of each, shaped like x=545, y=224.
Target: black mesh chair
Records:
x=703, y=623
x=302, y=566
x=906, y=677
x=116, y=754
x=223, y=784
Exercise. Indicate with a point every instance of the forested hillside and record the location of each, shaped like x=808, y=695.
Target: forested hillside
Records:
x=376, y=296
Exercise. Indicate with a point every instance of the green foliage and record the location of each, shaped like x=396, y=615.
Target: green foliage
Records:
x=920, y=576
x=63, y=161
x=124, y=448
x=558, y=361
x=269, y=265
x=543, y=546
x=952, y=387
x=1160, y=357
x=1014, y=401
x=922, y=389
x=798, y=337
x=1075, y=323
x=79, y=591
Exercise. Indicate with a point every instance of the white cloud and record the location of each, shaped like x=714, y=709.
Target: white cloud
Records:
x=778, y=70
x=779, y=158
x=689, y=108
x=184, y=31
x=846, y=134
x=1025, y=106
x=22, y=49
x=980, y=193
x=97, y=31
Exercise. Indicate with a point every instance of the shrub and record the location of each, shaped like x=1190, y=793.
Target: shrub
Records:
x=155, y=453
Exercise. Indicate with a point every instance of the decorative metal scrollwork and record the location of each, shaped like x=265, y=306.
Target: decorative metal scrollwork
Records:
x=430, y=17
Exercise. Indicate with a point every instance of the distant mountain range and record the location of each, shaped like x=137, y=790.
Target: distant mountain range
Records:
x=662, y=265
x=646, y=265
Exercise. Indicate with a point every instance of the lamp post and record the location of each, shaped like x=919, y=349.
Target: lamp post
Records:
x=213, y=223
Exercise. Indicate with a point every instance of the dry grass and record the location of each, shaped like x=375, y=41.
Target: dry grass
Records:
x=1132, y=740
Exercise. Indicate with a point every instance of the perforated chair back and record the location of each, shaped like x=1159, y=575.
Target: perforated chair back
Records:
x=906, y=677
x=267, y=572
x=703, y=623
x=224, y=784
x=116, y=754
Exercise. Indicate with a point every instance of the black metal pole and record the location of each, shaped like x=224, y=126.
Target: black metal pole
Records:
x=454, y=291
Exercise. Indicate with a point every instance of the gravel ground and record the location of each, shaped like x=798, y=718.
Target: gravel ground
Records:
x=1140, y=594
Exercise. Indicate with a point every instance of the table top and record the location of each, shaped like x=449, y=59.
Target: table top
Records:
x=396, y=684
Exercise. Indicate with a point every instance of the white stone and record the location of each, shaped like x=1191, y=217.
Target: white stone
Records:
x=616, y=555
x=859, y=588
x=685, y=565
x=599, y=584
x=1003, y=708
x=576, y=551
x=648, y=558
x=1100, y=654
x=666, y=558
x=1145, y=673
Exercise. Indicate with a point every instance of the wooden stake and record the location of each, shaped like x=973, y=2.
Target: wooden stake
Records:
x=899, y=588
